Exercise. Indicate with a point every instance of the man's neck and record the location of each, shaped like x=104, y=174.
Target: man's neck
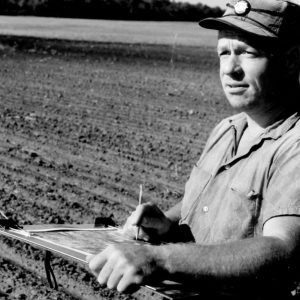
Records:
x=255, y=127
x=259, y=119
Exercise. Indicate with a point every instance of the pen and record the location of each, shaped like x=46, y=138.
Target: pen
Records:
x=140, y=202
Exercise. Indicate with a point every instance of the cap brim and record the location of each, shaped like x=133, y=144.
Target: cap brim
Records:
x=235, y=23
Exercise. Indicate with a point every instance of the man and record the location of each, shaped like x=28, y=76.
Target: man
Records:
x=242, y=202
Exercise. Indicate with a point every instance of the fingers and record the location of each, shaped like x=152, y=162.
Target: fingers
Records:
x=103, y=265
x=131, y=233
x=97, y=262
x=128, y=280
x=141, y=234
x=106, y=271
x=113, y=269
x=123, y=281
x=114, y=278
x=152, y=222
x=142, y=213
x=136, y=217
x=145, y=215
x=135, y=220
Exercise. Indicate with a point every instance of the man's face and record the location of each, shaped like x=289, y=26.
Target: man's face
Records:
x=246, y=72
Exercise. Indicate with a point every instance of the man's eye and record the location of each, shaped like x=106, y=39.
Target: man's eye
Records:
x=223, y=53
x=250, y=53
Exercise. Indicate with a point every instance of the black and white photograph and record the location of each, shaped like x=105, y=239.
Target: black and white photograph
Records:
x=149, y=149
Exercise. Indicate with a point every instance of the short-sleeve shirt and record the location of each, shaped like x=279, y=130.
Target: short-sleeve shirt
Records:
x=228, y=196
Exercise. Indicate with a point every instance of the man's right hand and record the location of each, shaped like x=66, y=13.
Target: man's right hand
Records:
x=153, y=223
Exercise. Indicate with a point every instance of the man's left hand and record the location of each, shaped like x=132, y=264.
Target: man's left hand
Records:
x=124, y=266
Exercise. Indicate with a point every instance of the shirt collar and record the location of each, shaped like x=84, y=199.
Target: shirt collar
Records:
x=274, y=131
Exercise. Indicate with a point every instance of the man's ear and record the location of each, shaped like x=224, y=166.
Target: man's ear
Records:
x=292, y=61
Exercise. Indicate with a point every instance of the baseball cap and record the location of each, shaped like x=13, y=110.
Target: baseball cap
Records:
x=274, y=19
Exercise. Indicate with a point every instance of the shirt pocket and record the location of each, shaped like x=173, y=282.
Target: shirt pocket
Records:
x=196, y=184
x=244, y=205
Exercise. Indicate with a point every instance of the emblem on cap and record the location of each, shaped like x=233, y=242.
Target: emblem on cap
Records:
x=242, y=7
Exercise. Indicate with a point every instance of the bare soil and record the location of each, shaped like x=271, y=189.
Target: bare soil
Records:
x=81, y=126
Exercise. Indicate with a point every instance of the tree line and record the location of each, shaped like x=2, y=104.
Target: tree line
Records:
x=160, y=10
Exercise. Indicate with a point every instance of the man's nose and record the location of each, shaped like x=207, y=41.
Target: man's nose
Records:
x=231, y=65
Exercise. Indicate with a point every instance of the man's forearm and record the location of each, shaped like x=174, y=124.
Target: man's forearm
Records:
x=233, y=263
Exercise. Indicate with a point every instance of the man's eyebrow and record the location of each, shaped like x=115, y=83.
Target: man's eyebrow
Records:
x=221, y=45
x=219, y=48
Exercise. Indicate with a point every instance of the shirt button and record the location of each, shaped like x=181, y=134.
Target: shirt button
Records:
x=205, y=209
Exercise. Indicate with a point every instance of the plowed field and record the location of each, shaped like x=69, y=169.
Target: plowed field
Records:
x=81, y=126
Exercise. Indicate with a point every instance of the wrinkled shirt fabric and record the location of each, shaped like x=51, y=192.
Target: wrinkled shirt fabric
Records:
x=228, y=196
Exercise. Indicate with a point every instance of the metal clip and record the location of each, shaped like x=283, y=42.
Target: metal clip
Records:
x=7, y=223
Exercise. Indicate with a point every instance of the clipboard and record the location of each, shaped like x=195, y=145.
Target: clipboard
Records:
x=76, y=241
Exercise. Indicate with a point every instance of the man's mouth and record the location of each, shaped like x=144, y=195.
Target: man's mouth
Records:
x=236, y=88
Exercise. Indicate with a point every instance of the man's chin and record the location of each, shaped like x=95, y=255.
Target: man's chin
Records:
x=239, y=103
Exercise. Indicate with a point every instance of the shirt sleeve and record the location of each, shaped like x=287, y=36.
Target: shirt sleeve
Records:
x=283, y=192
